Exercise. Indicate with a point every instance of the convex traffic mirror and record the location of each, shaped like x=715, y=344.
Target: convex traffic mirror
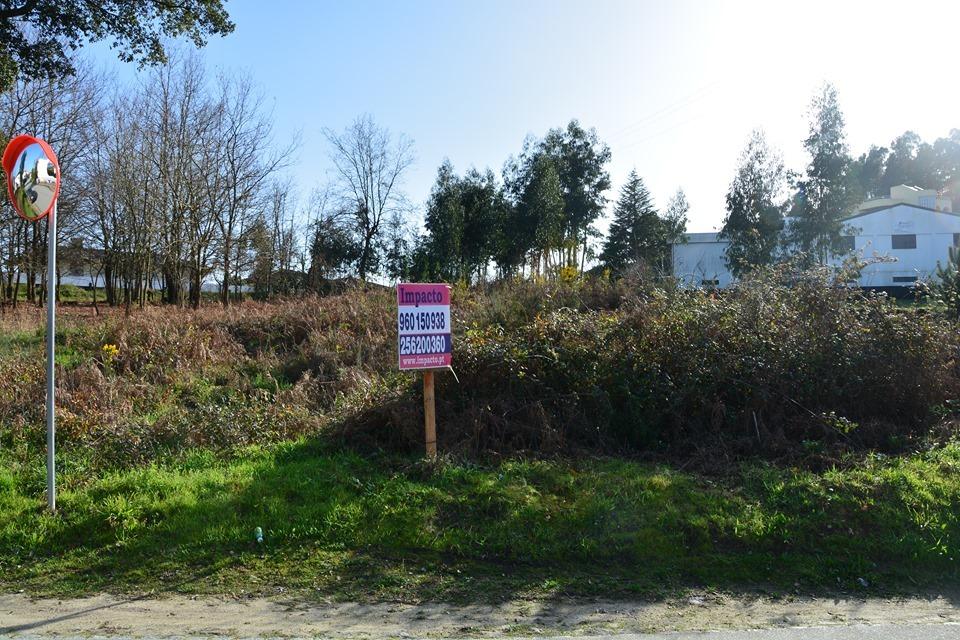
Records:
x=33, y=176
x=33, y=184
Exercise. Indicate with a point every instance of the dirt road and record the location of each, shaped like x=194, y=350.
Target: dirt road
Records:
x=205, y=616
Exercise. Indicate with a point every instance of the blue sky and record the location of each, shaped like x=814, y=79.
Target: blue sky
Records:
x=673, y=86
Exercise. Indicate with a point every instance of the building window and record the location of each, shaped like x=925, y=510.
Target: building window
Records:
x=848, y=244
x=904, y=279
x=905, y=241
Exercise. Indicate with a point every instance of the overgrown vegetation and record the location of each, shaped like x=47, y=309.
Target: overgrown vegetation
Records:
x=590, y=365
x=772, y=434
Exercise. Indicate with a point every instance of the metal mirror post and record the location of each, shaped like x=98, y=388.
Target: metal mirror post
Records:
x=51, y=343
x=33, y=182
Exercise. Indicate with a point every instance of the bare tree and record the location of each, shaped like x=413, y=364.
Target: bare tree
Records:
x=175, y=114
x=245, y=163
x=60, y=111
x=275, y=242
x=172, y=182
x=369, y=165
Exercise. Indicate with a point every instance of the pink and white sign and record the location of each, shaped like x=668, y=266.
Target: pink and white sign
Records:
x=423, y=326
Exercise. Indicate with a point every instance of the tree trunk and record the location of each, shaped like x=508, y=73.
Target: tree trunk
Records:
x=583, y=256
x=96, y=309
x=195, y=284
x=364, y=257
x=108, y=287
x=225, y=293
x=16, y=290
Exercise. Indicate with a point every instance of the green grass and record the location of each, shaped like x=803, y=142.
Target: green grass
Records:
x=18, y=342
x=340, y=524
x=70, y=294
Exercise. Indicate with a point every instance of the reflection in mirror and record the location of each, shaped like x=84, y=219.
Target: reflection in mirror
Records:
x=34, y=182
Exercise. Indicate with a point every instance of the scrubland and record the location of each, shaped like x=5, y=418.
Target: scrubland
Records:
x=598, y=438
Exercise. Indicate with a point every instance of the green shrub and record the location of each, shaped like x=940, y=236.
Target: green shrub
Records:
x=762, y=367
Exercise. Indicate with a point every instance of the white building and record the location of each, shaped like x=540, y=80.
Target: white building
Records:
x=901, y=237
x=701, y=261
x=906, y=239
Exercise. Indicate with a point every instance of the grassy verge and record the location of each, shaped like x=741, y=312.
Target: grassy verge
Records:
x=343, y=525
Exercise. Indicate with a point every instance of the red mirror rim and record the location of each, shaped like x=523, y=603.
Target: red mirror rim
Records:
x=10, y=155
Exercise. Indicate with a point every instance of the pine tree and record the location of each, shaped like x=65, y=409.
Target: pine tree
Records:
x=636, y=234
x=332, y=249
x=948, y=289
x=827, y=198
x=754, y=207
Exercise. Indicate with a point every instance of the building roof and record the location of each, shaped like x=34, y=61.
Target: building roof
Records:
x=866, y=212
x=709, y=236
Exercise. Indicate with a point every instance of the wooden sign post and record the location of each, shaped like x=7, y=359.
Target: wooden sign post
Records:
x=425, y=343
x=429, y=415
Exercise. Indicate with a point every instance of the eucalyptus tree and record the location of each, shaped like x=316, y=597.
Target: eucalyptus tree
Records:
x=483, y=205
x=544, y=208
x=827, y=197
x=673, y=224
x=580, y=159
x=755, y=206
x=443, y=222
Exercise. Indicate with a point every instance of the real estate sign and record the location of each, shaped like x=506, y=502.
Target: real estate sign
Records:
x=423, y=326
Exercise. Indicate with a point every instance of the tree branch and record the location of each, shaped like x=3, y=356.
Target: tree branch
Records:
x=19, y=12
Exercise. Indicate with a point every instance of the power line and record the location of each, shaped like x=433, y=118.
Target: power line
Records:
x=665, y=111
x=661, y=132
